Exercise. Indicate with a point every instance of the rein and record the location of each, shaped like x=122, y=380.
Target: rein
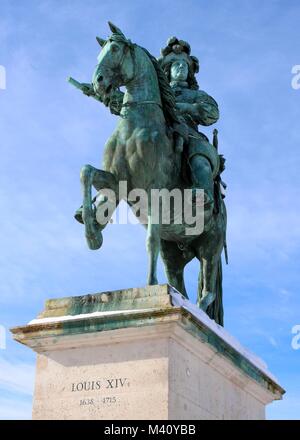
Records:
x=128, y=104
x=131, y=46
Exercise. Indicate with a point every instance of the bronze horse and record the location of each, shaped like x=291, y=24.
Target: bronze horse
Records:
x=141, y=152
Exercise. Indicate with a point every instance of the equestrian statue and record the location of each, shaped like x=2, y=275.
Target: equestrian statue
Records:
x=157, y=145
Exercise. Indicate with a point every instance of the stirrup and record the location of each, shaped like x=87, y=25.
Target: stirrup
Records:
x=78, y=215
x=208, y=199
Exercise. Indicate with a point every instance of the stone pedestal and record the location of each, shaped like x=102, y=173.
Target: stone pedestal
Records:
x=143, y=353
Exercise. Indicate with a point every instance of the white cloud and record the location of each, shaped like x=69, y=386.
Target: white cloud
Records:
x=15, y=408
x=17, y=377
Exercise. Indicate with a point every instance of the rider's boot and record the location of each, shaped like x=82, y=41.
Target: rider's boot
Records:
x=201, y=174
x=78, y=215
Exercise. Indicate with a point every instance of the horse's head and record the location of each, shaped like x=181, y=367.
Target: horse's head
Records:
x=115, y=63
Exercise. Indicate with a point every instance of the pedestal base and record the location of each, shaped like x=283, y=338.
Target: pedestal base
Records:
x=141, y=354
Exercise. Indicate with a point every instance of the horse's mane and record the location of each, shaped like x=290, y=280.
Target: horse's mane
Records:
x=166, y=93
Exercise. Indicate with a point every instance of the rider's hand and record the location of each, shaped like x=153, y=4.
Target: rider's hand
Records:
x=88, y=89
x=182, y=107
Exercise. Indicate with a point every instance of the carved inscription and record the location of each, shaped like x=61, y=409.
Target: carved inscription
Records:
x=94, y=385
x=99, y=385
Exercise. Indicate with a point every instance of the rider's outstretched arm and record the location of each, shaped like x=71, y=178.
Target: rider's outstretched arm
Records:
x=86, y=88
x=116, y=96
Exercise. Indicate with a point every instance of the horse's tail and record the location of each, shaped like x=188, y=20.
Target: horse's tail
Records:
x=215, y=310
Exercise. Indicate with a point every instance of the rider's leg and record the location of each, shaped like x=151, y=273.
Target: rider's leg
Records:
x=202, y=178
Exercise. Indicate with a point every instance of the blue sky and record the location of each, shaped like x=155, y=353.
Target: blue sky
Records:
x=49, y=130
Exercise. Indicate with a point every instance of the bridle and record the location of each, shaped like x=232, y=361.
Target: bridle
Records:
x=131, y=46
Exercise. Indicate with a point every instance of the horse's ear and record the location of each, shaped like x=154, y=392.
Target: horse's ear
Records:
x=115, y=29
x=101, y=41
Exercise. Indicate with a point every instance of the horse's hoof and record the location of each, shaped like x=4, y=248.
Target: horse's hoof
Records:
x=93, y=233
x=78, y=215
x=94, y=241
x=152, y=281
x=207, y=300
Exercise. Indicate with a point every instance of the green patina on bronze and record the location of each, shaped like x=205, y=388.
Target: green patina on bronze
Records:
x=157, y=145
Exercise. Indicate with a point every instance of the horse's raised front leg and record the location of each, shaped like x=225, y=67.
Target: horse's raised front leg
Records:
x=152, y=245
x=89, y=177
